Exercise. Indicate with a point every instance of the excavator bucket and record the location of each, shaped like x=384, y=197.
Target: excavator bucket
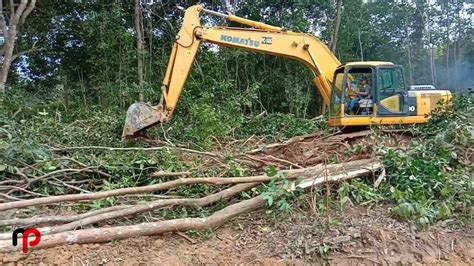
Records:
x=141, y=116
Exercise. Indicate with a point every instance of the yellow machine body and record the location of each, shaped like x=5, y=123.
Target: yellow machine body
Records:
x=265, y=39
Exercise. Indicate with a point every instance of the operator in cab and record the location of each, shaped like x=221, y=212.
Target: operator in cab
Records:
x=363, y=92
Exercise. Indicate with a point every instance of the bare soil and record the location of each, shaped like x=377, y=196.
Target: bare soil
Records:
x=359, y=235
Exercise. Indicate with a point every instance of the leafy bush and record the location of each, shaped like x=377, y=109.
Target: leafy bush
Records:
x=432, y=179
x=202, y=124
x=278, y=125
x=280, y=190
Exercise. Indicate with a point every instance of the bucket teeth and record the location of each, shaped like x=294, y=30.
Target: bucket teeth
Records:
x=140, y=116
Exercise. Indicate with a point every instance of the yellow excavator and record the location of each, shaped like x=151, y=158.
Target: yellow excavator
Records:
x=390, y=102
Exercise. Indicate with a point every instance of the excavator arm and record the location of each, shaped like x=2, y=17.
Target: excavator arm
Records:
x=261, y=38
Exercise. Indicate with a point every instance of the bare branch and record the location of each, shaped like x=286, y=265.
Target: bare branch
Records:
x=16, y=188
x=67, y=185
x=97, y=235
x=17, y=14
x=62, y=171
x=12, y=9
x=27, y=12
x=34, y=49
x=133, y=149
x=3, y=24
x=162, y=173
x=59, y=219
x=289, y=174
x=218, y=218
x=144, y=207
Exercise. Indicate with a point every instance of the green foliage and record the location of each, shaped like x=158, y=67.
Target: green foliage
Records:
x=433, y=180
x=279, y=192
x=324, y=251
x=209, y=233
x=27, y=141
x=236, y=170
x=204, y=123
x=357, y=191
x=89, y=48
x=278, y=125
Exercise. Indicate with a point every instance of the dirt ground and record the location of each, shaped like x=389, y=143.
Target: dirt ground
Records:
x=355, y=236
x=358, y=235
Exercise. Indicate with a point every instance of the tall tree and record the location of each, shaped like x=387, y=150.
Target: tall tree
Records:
x=447, y=21
x=138, y=18
x=11, y=29
x=337, y=24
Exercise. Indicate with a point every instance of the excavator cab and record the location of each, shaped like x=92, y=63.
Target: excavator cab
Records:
x=347, y=82
x=387, y=93
x=389, y=101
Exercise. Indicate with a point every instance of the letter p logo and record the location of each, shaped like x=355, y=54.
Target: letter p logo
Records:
x=25, y=234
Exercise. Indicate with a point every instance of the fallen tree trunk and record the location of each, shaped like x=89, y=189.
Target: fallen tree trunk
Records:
x=97, y=235
x=338, y=177
x=144, y=207
x=288, y=174
x=60, y=218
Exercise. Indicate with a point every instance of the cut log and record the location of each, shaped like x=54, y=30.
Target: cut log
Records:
x=59, y=219
x=144, y=207
x=287, y=174
x=338, y=177
x=99, y=235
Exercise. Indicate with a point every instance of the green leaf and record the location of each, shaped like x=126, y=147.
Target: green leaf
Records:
x=284, y=205
x=423, y=221
x=454, y=155
x=272, y=170
x=268, y=198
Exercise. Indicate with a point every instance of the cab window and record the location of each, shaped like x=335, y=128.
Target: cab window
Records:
x=390, y=81
x=336, y=97
x=391, y=90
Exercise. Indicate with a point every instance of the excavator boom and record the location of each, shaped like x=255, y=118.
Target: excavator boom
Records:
x=388, y=101
x=261, y=38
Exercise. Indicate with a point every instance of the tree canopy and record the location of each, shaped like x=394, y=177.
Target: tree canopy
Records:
x=91, y=46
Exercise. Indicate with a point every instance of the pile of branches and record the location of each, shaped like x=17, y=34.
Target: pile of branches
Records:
x=75, y=176
x=88, y=227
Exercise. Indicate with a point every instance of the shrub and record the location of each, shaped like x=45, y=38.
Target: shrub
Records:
x=432, y=179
